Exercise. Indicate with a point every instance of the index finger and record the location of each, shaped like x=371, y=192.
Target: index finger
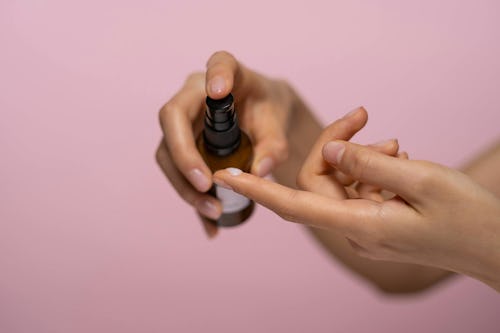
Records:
x=225, y=75
x=177, y=118
x=315, y=174
x=344, y=128
x=347, y=216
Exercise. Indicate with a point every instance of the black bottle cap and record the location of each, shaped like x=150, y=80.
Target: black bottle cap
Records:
x=221, y=133
x=220, y=104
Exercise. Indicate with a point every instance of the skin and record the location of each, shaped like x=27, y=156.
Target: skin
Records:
x=286, y=136
x=439, y=216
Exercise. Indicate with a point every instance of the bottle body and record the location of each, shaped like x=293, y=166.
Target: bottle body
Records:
x=236, y=208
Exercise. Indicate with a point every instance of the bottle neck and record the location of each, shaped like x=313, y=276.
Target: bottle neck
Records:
x=221, y=134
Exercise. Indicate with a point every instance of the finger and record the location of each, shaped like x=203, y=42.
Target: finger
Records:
x=265, y=123
x=388, y=147
x=316, y=174
x=203, y=203
x=367, y=166
x=211, y=228
x=403, y=155
x=368, y=191
x=177, y=117
x=309, y=208
x=225, y=75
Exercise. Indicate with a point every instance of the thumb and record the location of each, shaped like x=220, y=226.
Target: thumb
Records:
x=372, y=167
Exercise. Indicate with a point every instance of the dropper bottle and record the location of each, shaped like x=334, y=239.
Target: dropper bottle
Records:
x=222, y=144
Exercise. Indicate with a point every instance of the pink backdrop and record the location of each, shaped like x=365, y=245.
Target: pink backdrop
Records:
x=93, y=238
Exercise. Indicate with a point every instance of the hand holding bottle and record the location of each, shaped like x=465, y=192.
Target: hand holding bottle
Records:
x=264, y=107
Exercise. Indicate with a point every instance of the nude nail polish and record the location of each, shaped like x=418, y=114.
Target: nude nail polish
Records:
x=222, y=144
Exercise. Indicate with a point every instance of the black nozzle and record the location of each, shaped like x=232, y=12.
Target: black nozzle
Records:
x=221, y=132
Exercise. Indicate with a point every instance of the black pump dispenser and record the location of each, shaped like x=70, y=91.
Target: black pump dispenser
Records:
x=221, y=134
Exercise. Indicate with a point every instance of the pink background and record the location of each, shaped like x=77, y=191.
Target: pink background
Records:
x=94, y=239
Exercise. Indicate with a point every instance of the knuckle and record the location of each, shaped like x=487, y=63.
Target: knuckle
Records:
x=281, y=149
x=167, y=110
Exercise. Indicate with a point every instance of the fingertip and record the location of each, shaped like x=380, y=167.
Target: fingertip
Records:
x=389, y=147
x=225, y=177
x=209, y=207
x=263, y=167
x=210, y=228
x=199, y=180
x=403, y=155
x=360, y=111
x=217, y=87
x=221, y=70
x=383, y=143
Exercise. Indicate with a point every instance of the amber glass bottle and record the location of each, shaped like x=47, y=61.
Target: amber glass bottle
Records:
x=222, y=144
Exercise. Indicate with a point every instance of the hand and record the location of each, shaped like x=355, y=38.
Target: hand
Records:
x=439, y=218
x=263, y=105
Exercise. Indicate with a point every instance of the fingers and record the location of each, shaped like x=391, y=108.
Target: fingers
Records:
x=315, y=174
x=204, y=203
x=388, y=147
x=176, y=118
x=342, y=129
x=368, y=191
x=225, y=74
x=266, y=125
x=348, y=216
x=367, y=166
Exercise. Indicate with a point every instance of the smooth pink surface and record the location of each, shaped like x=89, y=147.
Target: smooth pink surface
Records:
x=93, y=238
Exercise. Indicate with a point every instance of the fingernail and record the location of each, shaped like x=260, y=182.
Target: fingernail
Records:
x=265, y=166
x=208, y=209
x=199, y=180
x=384, y=142
x=217, y=85
x=333, y=151
x=352, y=113
x=234, y=171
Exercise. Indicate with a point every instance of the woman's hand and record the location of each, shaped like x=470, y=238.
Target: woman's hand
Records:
x=263, y=105
x=439, y=218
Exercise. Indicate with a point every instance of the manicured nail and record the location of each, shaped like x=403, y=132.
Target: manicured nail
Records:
x=333, y=151
x=234, y=171
x=207, y=208
x=352, y=113
x=199, y=180
x=217, y=85
x=265, y=166
x=384, y=142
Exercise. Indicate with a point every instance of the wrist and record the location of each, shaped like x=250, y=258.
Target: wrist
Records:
x=486, y=266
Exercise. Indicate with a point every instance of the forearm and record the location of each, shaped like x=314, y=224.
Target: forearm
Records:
x=390, y=277
x=484, y=169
